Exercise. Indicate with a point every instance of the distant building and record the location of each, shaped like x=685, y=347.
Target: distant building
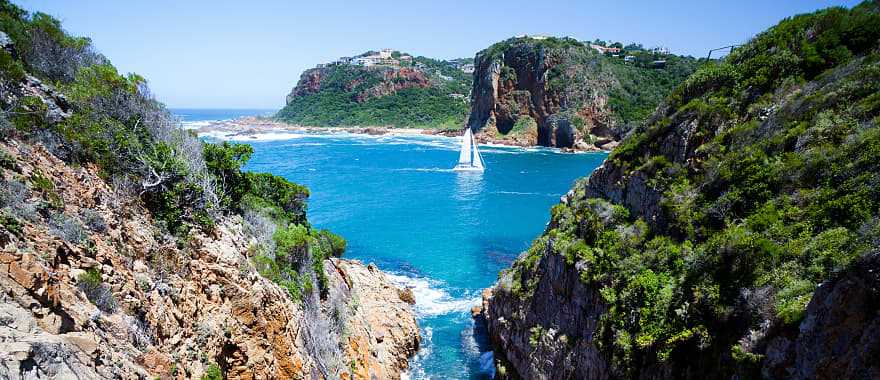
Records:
x=467, y=68
x=659, y=64
x=605, y=49
x=660, y=50
x=365, y=61
x=458, y=96
x=344, y=60
x=385, y=53
x=629, y=58
x=406, y=58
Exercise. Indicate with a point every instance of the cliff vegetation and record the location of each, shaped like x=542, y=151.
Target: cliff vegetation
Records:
x=718, y=238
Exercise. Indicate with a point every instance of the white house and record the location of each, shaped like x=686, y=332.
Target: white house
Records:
x=365, y=61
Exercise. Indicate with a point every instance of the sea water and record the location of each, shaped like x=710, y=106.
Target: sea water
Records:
x=445, y=234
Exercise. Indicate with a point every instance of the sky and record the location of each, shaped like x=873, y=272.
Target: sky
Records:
x=249, y=54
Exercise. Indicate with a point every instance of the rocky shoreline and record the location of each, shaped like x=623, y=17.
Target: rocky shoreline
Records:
x=251, y=126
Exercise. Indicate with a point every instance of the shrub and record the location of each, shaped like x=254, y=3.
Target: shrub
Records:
x=67, y=228
x=213, y=373
x=93, y=220
x=10, y=223
x=98, y=293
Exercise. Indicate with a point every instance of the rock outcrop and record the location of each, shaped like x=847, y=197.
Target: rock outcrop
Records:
x=564, y=86
x=840, y=334
x=96, y=291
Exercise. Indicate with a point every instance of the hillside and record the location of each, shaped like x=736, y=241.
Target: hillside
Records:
x=564, y=93
x=388, y=89
x=735, y=234
x=129, y=248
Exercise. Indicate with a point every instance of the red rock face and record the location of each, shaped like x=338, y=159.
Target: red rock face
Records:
x=520, y=83
x=395, y=80
x=309, y=83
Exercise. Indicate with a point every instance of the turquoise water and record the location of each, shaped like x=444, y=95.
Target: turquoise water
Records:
x=445, y=234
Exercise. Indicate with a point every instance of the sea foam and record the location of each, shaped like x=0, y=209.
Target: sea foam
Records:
x=431, y=299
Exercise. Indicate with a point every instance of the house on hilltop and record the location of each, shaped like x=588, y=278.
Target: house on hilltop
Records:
x=605, y=49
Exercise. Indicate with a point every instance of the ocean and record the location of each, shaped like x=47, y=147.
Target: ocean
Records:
x=197, y=117
x=399, y=205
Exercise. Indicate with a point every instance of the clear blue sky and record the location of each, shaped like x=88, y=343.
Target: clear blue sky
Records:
x=248, y=54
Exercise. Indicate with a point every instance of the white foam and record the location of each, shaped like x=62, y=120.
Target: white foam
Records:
x=524, y=193
x=196, y=124
x=267, y=136
x=432, y=170
x=426, y=347
x=431, y=299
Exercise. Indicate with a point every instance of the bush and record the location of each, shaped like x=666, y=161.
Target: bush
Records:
x=67, y=228
x=97, y=291
x=93, y=220
x=213, y=373
x=10, y=223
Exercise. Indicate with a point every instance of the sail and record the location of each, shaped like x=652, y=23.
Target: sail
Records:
x=478, y=159
x=465, y=157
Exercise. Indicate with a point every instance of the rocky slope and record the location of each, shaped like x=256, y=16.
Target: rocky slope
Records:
x=733, y=235
x=171, y=310
x=415, y=92
x=562, y=93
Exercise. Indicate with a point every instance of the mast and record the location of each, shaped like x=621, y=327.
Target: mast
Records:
x=464, y=158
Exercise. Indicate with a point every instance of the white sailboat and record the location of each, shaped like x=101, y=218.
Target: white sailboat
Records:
x=469, y=160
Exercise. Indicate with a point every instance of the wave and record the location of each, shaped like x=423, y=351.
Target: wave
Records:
x=525, y=193
x=267, y=136
x=432, y=170
x=431, y=299
x=196, y=124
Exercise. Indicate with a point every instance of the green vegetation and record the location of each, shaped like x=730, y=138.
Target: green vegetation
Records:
x=112, y=121
x=523, y=125
x=352, y=95
x=777, y=194
x=213, y=373
x=641, y=89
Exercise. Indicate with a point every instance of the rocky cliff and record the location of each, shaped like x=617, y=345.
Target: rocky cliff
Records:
x=393, y=92
x=735, y=234
x=169, y=310
x=560, y=92
x=131, y=249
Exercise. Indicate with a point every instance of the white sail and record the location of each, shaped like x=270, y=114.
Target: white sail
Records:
x=469, y=160
x=464, y=158
x=478, y=159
